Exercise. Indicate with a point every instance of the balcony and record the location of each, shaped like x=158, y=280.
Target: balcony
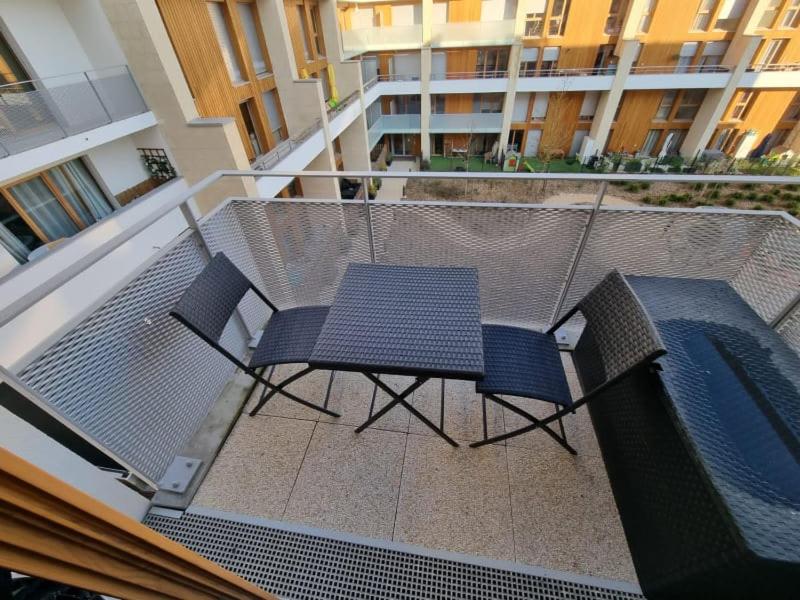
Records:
x=466, y=123
x=484, y=82
x=472, y=33
x=554, y=80
x=358, y=41
x=387, y=124
x=38, y=112
x=775, y=75
x=303, y=505
x=678, y=77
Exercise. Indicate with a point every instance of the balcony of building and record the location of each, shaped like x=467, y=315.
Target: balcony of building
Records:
x=552, y=79
x=466, y=122
x=771, y=75
x=303, y=505
x=469, y=82
x=372, y=39
x=42, y=111
x=472, y=33
x=678, y=77
x=389, y=124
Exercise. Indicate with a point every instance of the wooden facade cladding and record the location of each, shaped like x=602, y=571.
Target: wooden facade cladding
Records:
x=309, y=11
x=51, y=530
x=194, y=39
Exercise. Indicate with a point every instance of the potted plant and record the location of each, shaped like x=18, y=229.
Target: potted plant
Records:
x=389, y=158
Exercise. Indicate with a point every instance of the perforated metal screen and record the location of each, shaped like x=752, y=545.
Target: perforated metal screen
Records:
x=299, y=565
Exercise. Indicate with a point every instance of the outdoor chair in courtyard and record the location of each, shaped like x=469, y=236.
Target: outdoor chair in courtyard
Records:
x=289, y=335
x=526, y=363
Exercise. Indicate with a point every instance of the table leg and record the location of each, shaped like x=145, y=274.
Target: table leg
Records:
x=400, y=398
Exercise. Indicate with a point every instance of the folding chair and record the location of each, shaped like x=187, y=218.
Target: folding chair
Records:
x=289, y=335
x=526, y=363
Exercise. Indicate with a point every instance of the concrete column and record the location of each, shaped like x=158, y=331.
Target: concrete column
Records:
x=355, y=145
x=425, y=102
x=348, y=72
x=427, y=22
x=511, y=92
x=197, y=147
x=608, y=102
x=716, y=101
x=326, y=188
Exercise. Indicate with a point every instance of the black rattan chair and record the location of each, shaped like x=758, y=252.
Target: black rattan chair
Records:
x=527, y=363
x=289, y=335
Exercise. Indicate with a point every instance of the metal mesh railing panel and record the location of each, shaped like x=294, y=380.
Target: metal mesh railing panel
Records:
x=131, y=376
x=770, y=279
x=299, y=565
x=701, y=244
x=302, y=249
x=523, y=254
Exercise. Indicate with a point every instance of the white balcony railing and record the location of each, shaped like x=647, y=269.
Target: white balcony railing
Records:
x=680, y=69
x=387, y=124
x=472, y=33
x=466, y=123
x=41, y=111
x=356, y=41
x=469, y=75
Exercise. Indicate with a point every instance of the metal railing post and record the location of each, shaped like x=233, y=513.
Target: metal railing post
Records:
x=598, y=200
x=786, y=312
x=99, y=99
x=368, y=215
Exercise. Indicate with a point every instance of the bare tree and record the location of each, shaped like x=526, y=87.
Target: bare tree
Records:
x=555, y=132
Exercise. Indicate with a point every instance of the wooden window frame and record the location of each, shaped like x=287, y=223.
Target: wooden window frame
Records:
x=560, y=20
x=743, y=100
x=679, y=103
x=262, y=41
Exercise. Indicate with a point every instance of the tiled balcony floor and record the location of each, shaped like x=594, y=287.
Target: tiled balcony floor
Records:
x=528, y=501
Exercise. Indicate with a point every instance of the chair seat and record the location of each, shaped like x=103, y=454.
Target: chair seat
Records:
x=522, y=362
x=290, y=336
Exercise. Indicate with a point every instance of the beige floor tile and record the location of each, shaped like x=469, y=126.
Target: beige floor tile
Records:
x=256, y=469
x=455, y=498
x=565, y=517
x=351, y=396
x=349, y=481
x=311, y=387
x=463, y=416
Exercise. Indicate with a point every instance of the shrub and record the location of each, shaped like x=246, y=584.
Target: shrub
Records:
x=570, y=160
x=697, y=187
x=788, y=197
x=713, y=194
x=663, y=201
x=617, y=183
x=425, y=165
x=646, y=200
x=389, y=158
x=791, y=187
x=729, y=201
x=736, y=195
x=633, y=166
x=631, y=187
x=766, y=198
x=748, y=186
x=751, y=195
x=674, y=169
x=674, y=198
x=758, y=207
x=645, y=185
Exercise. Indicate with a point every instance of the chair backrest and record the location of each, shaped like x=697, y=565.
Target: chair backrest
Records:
x=623, y=333
x=208, y=303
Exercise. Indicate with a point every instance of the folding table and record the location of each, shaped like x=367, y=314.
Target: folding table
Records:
x=404, y=320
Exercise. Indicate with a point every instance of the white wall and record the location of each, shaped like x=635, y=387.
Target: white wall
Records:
x=94, y=32
x=118, y=164
x=44, y=34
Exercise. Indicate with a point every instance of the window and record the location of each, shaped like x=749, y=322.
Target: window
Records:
x=725, y=135
x=703, y=18
x=769, y=14
x=492, y=62
x=437, y=104
x=255, y=44
x=406, y=105
x=686, y=56
x=650, y=141
x=274, y=114
x=528, y=60
x=665, y=108
x=772, y=52
x=54, y=204
x=534, y=19
x=793, y=110
x=437, y=144
x=729, y=14
x=713, y=52
x=217, y=12
x=602, y=60
x=301, y=21
x=316, y=31
x=689, y=104
x=741, y=105
x=11, y=69
x=790, y=17
x=558, y=18
x=515, y=140
x=245, y=108
x=487, y=103
x=776, y=138
x=540, y=103
x=647, y=13
x=616, y=13
x=549, y=60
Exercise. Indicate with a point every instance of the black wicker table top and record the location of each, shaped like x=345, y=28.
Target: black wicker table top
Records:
x=404, y=320
x=734, y=387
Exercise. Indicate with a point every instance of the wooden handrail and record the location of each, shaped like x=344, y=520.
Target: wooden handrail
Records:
x=51, y=530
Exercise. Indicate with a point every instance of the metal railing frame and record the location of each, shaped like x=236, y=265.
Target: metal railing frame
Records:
x=15, y=309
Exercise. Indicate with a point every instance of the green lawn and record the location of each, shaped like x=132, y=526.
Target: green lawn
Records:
x=476, y=164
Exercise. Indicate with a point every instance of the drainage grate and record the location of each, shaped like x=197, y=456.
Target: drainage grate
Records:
x=297, y=562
